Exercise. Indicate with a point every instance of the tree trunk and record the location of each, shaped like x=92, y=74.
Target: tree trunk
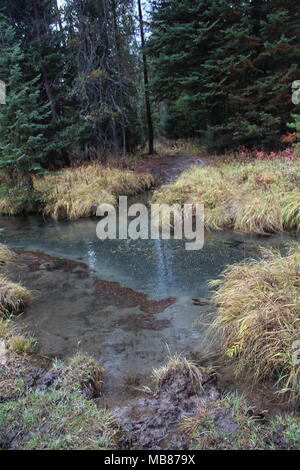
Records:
x=146, y=83
x=45, y=80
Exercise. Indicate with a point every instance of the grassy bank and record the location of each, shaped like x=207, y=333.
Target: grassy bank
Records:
x=258, y=319
x=71, y=193
x=52, y=406
x=55, y=411
x=231, y=424
x=13, y=297
x=258, y=197
x=41, y=408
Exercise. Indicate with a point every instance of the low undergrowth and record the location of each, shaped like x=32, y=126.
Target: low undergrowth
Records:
x=55, y=420
x=13, y=296
x=72, y=192
x=53, y=409
x=258, y=319
x=188, y=147
x=256, y=197
x=231, y=424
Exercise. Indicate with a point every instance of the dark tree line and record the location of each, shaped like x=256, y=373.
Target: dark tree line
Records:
x=82, y=78
x=224, y=69
x=86, y=63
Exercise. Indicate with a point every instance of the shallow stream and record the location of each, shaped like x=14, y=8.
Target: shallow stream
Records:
x=70, y=312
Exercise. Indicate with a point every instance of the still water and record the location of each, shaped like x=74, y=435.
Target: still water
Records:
x=124, y=338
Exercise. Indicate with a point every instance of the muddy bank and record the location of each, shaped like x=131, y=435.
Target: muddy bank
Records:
x=153, y=423
x=183, y=409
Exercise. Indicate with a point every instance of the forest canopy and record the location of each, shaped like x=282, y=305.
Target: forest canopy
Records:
x=91, y=79
x=224, y=69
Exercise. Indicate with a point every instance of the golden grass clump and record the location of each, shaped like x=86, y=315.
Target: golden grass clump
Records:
x=258, y=318
x=84, y=372
x=13, y=297
x=22, y=344
x=256, y=197
x=5, y=255
x=174, y=364
x=5, y=329
x=8, y=207
x=72, y=192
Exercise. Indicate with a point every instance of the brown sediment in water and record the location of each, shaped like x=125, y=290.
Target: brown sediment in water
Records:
x=73, y=310
x=119, y=295
x=111, y=293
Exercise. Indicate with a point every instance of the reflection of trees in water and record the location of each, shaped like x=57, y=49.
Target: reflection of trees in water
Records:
x=164, y=257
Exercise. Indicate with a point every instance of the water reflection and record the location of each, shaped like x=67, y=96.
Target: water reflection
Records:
x=159, y=267
x=164, y=256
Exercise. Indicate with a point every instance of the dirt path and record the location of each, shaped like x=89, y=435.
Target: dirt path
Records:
x=167, y=168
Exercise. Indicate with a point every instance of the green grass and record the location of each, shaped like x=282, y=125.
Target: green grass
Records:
x=61, y=417
x=258, y=319
x=231, y=424
x=56, y=420
x=255, y=197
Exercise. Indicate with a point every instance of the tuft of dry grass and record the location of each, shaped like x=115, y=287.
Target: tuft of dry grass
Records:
x=22, y=344
x=174, y=364
x=256, y=197
x=5, y=255
x=73, y=192
x=8, y=207
x=13, y=297
x=84, y=372
x=258, y=318
x=231, y=424
x=5, y=329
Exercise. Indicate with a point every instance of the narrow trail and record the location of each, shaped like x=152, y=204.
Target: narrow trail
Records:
x=167, y=168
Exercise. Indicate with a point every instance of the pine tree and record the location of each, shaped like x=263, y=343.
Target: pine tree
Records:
x=23, y=122
x=225, y=68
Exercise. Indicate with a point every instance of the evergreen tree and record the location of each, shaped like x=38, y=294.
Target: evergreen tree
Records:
x=23, y=121
x=85, y=55
x=225, y=68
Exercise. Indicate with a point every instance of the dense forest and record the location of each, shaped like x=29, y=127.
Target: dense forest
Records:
x=87, y=78
x=112, y=339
